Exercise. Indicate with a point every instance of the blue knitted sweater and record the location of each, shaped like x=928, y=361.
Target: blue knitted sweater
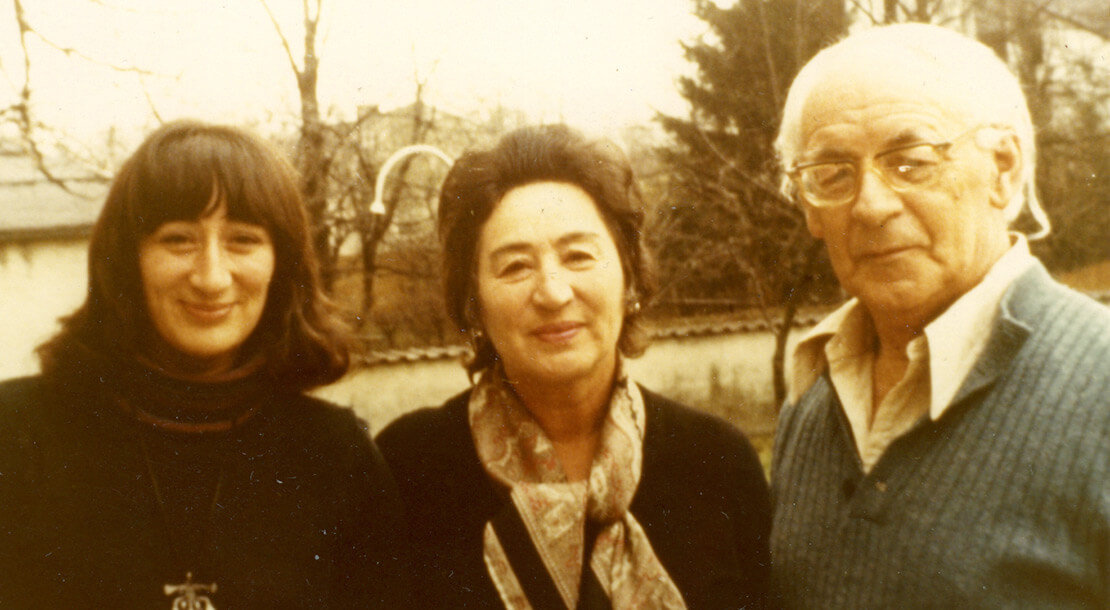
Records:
x=1004, y=501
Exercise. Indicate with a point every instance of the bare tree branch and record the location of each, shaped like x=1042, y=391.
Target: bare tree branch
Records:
x=72, y=52
x=755, y=181
x=1103, y=32
x=281, y=36
x=150, y=104
x=772, y=72
x=866, y=10
x=23, y=109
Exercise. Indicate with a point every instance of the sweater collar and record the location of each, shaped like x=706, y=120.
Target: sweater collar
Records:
x=156, y=398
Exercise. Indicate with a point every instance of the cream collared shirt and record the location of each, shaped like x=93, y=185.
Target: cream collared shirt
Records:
x=939, y=360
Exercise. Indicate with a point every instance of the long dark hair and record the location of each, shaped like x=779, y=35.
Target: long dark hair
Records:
x=557, y=153
x=172, y=176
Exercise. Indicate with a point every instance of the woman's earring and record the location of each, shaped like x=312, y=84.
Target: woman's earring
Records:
x=474, y=325
x=631, y=302
x=476, y=337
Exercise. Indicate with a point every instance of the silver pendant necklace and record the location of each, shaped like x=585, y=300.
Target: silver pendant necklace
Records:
x=187, y=595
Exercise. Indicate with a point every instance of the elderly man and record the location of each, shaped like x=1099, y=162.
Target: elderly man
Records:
x=947, y=438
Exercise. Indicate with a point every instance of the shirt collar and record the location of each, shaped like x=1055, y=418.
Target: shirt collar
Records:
x=957, y=338
x=851, y=327
x=809, y=356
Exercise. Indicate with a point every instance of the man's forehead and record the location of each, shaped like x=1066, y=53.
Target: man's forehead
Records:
x=888, y=101
x=891, y=130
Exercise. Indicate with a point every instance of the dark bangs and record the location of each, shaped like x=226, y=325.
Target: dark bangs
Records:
x=174, y=180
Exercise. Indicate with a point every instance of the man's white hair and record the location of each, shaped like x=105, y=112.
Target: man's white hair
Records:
x=979, y=84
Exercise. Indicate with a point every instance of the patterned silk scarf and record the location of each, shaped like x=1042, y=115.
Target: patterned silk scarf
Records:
x=534, y=548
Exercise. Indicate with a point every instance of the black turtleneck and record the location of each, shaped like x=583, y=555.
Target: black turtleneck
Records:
x=123, y=480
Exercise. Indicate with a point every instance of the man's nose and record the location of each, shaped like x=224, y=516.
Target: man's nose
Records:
x=876, y=201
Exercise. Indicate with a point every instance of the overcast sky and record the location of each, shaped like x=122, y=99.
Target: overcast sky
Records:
x=597, y=64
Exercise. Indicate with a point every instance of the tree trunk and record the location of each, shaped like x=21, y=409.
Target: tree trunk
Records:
x=310, y=154
x=782, y=333
x=373, y=233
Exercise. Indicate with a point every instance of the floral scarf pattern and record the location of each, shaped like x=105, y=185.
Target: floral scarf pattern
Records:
x=517, y=453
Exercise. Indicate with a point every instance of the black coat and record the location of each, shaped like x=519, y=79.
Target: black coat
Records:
x=306, y=514
x=702, y=500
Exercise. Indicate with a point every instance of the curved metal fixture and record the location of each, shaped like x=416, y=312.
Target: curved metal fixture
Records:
x=378, y=205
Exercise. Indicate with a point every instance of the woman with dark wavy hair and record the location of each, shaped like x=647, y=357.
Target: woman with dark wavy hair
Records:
x=556, y=481
x=167, y=455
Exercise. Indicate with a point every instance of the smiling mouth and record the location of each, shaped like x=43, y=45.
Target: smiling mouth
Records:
x=208, y=312
x=557, y=333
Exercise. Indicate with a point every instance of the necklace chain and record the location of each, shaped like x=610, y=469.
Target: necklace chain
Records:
x=187, y=592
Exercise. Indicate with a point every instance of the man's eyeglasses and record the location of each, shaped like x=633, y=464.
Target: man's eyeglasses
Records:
x=828, y=184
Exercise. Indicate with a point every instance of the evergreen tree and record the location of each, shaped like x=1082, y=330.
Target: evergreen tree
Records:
x=727, y=235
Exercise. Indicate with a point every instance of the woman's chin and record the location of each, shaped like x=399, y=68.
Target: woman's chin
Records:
x=193, y=359
x=570, y=366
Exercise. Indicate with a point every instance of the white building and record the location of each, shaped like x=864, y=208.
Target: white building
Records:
x=44, y=233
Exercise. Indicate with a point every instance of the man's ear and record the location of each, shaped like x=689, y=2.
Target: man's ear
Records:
x=1008, y=164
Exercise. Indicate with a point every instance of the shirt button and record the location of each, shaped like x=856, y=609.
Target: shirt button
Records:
x=881, y=486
